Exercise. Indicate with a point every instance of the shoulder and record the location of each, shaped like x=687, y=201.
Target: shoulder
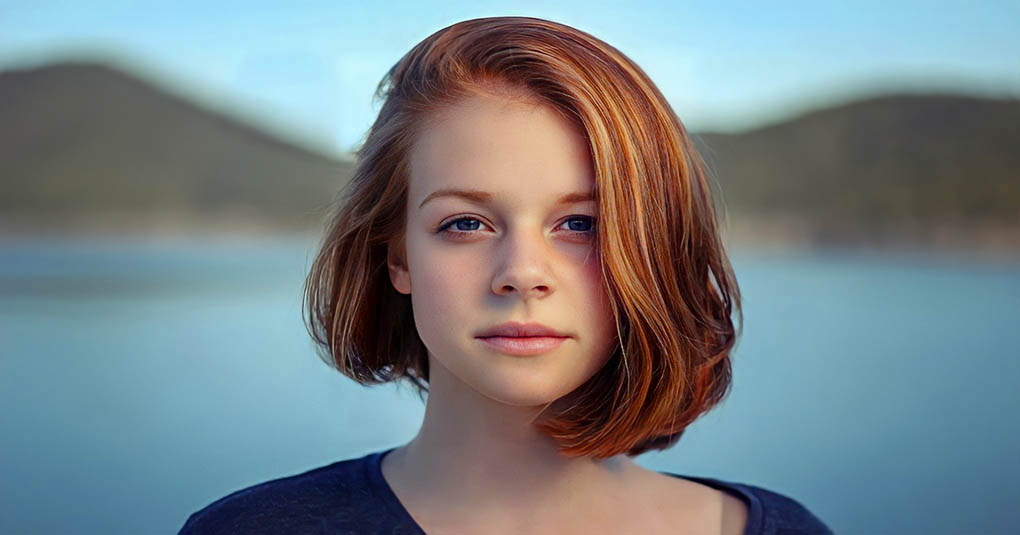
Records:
x=763, y=511
x=782, y=514
x=304, y=503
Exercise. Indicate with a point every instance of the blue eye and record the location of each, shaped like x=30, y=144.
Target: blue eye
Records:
x=463, y=224
x=589, y=220
x=457, y=223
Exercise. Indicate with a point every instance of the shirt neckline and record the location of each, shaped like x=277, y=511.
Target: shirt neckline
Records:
x=382, y=489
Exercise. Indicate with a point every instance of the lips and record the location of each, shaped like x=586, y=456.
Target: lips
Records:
x=522, y=339
x=522, y=346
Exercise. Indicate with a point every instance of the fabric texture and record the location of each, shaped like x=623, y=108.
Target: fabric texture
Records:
x=351, y=497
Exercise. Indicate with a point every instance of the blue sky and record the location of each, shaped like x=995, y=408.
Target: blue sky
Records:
x=308, y=69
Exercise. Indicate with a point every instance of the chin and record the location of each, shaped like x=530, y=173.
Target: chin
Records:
x=521, y=399
x=524, y=390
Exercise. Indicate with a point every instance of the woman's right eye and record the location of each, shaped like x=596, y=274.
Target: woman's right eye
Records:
x=463, y=225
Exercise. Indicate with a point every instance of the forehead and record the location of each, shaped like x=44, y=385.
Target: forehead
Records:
x=511, y=148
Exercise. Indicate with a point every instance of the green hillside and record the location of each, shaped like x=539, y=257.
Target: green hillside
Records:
x=88, y=146
x=889, y=165
x=85, y=144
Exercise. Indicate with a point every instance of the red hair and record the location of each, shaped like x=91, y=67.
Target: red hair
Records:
x=671, y=286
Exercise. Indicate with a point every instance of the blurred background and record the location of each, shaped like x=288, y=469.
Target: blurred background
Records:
x=164, y=167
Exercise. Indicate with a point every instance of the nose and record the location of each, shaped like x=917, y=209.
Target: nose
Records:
x=523, y=266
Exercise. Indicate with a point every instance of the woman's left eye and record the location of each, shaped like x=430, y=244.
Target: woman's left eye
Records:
x=586, y=225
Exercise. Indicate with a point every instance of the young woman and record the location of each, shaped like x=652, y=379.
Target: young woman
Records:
x=529, y=238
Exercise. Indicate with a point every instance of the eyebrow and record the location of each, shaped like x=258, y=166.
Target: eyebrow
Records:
x=482, y=197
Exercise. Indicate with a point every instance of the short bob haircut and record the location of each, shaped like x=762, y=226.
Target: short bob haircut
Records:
x=670, y=284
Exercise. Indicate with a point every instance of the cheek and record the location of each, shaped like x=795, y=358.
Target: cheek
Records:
x=598, y=307
x=442, y=281
x=590, y=272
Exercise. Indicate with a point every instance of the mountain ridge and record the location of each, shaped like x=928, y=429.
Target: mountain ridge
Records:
x=90, y=146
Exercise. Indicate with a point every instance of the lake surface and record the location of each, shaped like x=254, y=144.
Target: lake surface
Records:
x=139, y=382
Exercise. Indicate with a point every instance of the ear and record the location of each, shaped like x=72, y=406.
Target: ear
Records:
x=396, y=261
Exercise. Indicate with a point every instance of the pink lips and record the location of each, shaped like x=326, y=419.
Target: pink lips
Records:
x=514, y=338
x=523, y=346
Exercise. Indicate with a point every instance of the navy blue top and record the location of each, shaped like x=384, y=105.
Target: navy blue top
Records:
x=351, y=497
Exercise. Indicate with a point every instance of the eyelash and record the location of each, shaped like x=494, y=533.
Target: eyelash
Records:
x=457, y=234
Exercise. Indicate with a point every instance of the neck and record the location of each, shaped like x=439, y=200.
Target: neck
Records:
x=473, y=449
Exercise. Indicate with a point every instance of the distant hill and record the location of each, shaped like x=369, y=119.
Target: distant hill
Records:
x=906, y=166
x=88, y=145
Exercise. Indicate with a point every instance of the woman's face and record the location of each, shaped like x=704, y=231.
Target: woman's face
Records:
x=519, y=249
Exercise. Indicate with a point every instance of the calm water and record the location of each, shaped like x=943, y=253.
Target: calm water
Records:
x=140, y=382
